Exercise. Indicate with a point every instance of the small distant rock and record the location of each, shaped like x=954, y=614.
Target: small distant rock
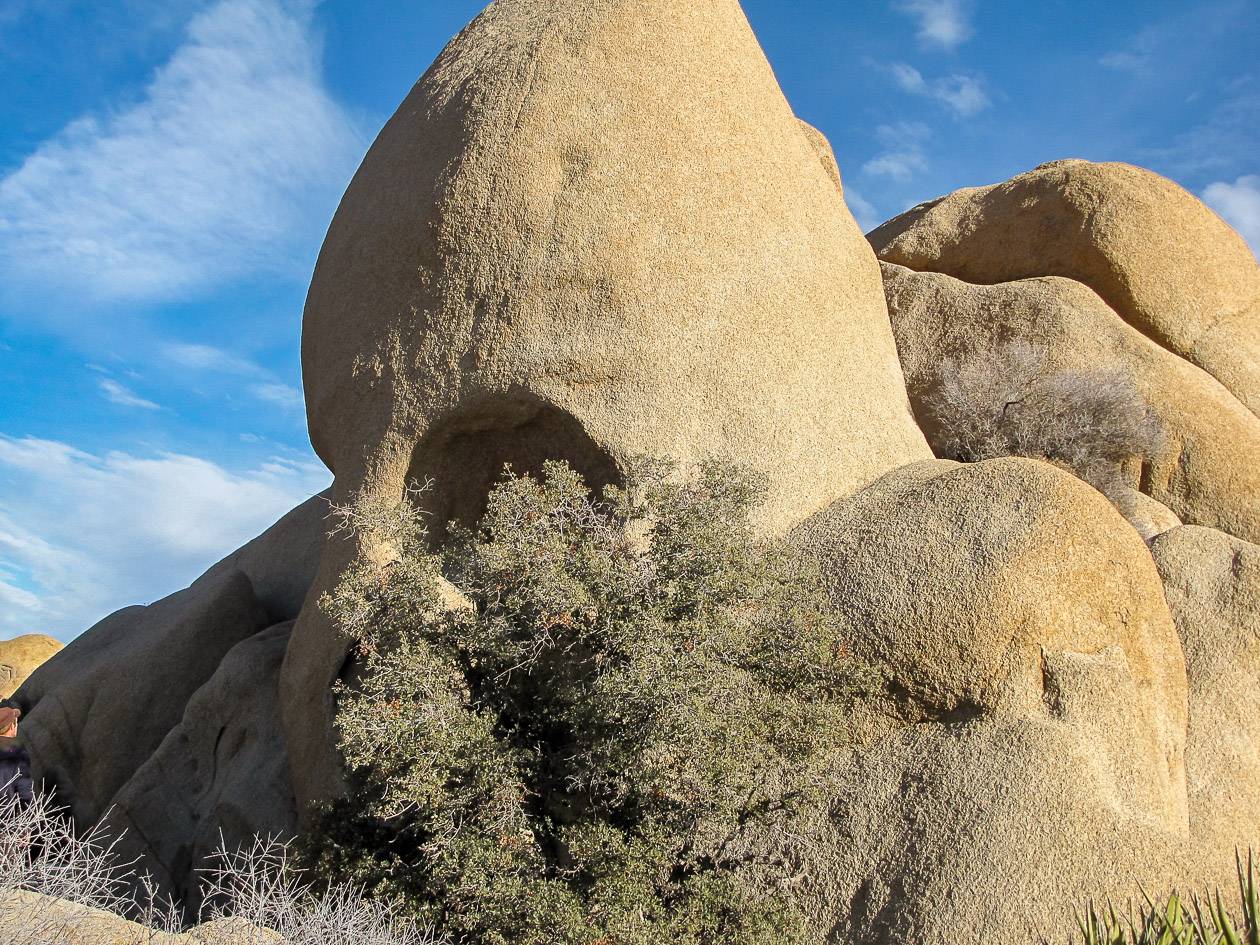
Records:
x=21, y=656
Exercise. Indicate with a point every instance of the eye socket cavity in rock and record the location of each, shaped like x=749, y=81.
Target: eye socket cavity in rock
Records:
x=463, y=456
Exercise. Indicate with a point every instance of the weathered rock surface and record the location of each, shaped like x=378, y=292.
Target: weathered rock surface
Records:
x=31, y=919
x=1150, y=517
x=21, y=656
x=154, y=699
x=822, y=147
x=281, y=562
x=97, y=712
x=220, y=777
x=1157, y=255
x=594, y=229
x=1206, y=472
x=983, y=614
x=1034, y=706
x=1212, y=582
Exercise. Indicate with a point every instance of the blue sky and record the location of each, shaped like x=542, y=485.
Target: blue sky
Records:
x=168, y=169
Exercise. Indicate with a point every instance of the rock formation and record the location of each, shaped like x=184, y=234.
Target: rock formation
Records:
x=1158, y=256
x=1029, y=749
x=220, y=776
x=31, y=919
x=1205, y=471
x=1212, y=582
x=166, y=715
x=594, y=229
x=21, y=656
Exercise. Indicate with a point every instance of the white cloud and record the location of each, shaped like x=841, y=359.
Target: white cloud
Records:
x=198, y=357
x=212, y=360
x=116, y=393
x=1239, y=204
x=232, y=158
x=282, y=395
x=82, y=535
x=1153, y=43
x=862, y=209
x=903, y=156
x=943, y=23
x=964, y=95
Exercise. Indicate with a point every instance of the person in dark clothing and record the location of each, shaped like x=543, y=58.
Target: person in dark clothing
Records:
x=15, y=765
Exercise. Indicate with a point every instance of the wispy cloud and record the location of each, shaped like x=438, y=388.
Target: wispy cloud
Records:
x=943, y=23
x=1142, y=51
x=1239, y=204
x=1223, y=144
x=282, y=395
x=208, y=359
x=199, y=357
x=862, y=209
x=117, y=393
x=234, y=150
x=1124, y=61
x=82, y=534
x=903, y=156
x=964, y=95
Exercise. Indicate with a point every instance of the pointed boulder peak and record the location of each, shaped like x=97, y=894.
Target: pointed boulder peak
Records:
x=595, y=228
x=1156, y=254
x=822, y=147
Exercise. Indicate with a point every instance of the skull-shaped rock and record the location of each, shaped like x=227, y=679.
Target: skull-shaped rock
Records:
x=594, y=230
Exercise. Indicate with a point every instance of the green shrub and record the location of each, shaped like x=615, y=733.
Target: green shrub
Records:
x=625, y=734
x=1179, y=922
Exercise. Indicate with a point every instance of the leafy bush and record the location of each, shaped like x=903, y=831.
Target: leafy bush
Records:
x=1178, y=922
x=55, y=884
x=622, y=731
x=1009, y=403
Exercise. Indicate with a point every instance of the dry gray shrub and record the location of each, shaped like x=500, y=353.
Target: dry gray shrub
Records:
x=73, y=876
x=1009, y=402
x=256, y=897
x=56, y=885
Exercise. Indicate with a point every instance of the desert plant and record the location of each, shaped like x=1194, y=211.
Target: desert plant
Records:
x=1009, y=402
x=256, y=896
x=622, y=732
x=1177, y=921
x=52, y=878
x=56, y=885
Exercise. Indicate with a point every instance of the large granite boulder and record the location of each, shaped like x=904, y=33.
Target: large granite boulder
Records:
x=1152, y=251
x=97, y=712
x=1026, y=750
x=1204, y=469
x=594, y=229
x=1212, y=582
x=220, y=778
